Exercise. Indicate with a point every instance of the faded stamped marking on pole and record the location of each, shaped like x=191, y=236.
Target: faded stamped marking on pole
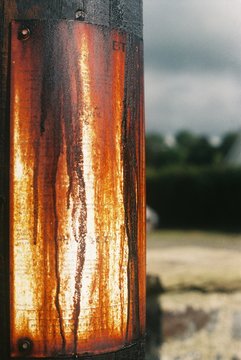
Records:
x=77, y=189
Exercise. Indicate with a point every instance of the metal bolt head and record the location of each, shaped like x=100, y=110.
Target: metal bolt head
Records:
x=24, y=33
x=25, y=345
x=80, y=15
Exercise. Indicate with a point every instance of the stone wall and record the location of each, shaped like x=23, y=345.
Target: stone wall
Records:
x=192, y=325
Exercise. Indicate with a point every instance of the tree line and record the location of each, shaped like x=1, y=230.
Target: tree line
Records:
x=191, y=185
x=188, y=149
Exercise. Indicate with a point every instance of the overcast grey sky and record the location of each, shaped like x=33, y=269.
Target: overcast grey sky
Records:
x=193, y=65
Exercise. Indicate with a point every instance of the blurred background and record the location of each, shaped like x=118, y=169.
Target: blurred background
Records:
x=193, y=157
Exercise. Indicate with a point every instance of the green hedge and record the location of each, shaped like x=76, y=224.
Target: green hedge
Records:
x=196, y=197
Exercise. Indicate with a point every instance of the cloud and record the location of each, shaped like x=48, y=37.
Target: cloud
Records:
x=192, y=34
x=203, y=103
x=193, y=65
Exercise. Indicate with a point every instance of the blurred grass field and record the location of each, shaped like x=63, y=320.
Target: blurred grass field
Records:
x=209, y=239
x=208, y=261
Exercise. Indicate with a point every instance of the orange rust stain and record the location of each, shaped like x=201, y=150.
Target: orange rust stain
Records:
x=77, y=189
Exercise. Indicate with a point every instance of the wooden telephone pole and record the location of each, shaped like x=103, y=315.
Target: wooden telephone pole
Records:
x=72, y=188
